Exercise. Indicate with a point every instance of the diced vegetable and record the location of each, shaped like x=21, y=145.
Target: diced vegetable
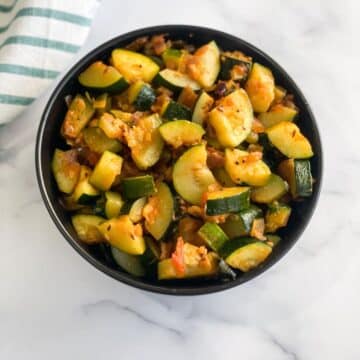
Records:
x=298, y=175
x=223, y=177
x=191, y=176
x=202, y=108
x=141, y=95
x=113, y=127
x=235, y=66
x=159, y=211
x=181, y=133
x=172, y=58
x=275, y=188
x=280, y=93
x=232, y=118
x=130, y=263
x=173, y=110
x=244, y=167
x=136, y=210
x=86, y=227
x=213, y=236
x=277, y=216
x=260, y=87
x=102, y=103
x=174, y=80
x=272, y=240
x=66, y=170
x=277, y=114
x=97, y=141
x=286, y=137
x=101, y=77
x=138, y=186
x=121, y=233
x=84, y=193
x=106, y=170
x=228, y=200
x=134, y=66
x=113, y=204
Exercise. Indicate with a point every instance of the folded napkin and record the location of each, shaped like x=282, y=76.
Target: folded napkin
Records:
x=37, y=39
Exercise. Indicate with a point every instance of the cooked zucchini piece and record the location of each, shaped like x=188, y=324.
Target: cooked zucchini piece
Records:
x=173, y=110
x=141, y=95
x=102, y=103
x=97, y=141
x=106, y=170
x=101, y=77
x=298, y=175
x=232, y=118
x=87, y=228
x=277, y=114
x=181, y=133
x=174, y=80
x=66, y=170
x=246, y=167
x=213, y=236
x=240, y=224
x=223, y=177
x=126, y=117
x=159, y=211
x=196, y=263
x=191, y=176
x=134, y=66
x=202, y=108
x=280, y=93
x=121, y=233
x=287, y=137
x=78, y=115
x=275, y=188
x=173, y=57
x=260, y=87
x=245, y=253
x=84, y=193
x=145, y=141
x=204, y=66
x=276, y=217
x=138, y=186
x=113, y=204
x=227, y=200
x=234, y=65
x=136, y=210
x=130, y=263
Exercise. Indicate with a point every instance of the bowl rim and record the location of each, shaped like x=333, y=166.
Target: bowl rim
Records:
x=123, y=277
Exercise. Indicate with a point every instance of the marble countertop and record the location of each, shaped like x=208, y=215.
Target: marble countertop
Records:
x=54, y=305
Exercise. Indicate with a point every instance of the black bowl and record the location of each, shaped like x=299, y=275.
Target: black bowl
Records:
x=48, y=138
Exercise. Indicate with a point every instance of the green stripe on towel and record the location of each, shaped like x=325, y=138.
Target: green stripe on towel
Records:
x=40, y=42
x=49, y=13
x=28, y=71
x=15, y=100
x=7, y=8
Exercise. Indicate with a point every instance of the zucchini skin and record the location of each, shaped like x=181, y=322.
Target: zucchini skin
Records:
x=175, y=110
x=213, y=235
x=138, y=186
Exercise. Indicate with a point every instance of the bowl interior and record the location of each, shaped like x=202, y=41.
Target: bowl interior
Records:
x=48, y=139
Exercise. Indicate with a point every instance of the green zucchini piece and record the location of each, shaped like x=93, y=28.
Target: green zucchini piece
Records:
x=276, y=217
x=121, y=233
x=145, y=141
x=173, y=110
x=191, y=176
x=232, y=118
x=86, y=227
x=106, y=170
x=280, y=93
x=227, y=200
x=204, y=66
x=78, y=115
x=84, y=193
x=298, y=175
x=141, y=95
x=245, y=253
x=242, y=168
x=113, y=204
x=213, y=236
x=240, y=224
x=134, y=66
x=101, y=77
x=277, y=114
x=159, y=211
x=174, y=80
x=130, y=263
x=172, y=58
x=287, y=137
x=138, y=186
x=260, y=87
x=202, y=108
x=136, y=210
x=275, y=188
x=66, y=170
x=97, y=141
x=226, y=271
x=102, y=103
x=223, y=177
x=181, y=133
x=234, y=65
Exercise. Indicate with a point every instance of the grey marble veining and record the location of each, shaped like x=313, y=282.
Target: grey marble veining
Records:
x=55, y=305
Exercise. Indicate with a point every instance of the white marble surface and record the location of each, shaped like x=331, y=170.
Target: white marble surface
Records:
x=54, y=305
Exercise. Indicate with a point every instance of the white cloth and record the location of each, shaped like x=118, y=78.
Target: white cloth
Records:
x=37, y=39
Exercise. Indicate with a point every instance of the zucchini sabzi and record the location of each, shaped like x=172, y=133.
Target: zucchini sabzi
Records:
x=181, y=161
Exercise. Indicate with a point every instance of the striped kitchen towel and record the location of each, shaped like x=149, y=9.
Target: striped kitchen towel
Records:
x=37, y=39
